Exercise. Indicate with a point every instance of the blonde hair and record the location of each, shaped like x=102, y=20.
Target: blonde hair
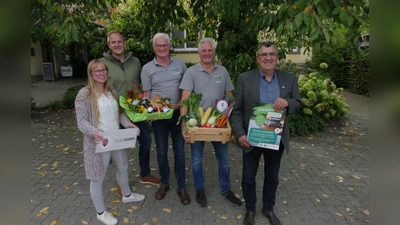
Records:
x=94, y=93
x=114, y=32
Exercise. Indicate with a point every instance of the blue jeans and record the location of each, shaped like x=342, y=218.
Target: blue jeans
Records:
x=272, y=162
x=222, y=154
x=144, y=140
x=162, y=129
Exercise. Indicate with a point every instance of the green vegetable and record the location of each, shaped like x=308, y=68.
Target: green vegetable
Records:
x=192, y=122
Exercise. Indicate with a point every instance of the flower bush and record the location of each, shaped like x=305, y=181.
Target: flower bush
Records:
x=321, y=103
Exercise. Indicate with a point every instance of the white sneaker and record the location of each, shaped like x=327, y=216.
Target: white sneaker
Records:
x=133, y=198
x=107, y=218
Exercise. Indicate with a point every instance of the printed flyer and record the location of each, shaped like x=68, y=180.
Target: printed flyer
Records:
x=265, y=127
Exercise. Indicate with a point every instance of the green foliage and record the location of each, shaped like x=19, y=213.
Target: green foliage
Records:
x=302, y=124
x=33, y=104
x=303, y=23
x=338, y=59
x=321, y=103
x=291, y=67
x=359, y=73
x=68, y=100
x=55, y=105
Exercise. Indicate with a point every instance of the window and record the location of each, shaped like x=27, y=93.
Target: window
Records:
x=187, y=40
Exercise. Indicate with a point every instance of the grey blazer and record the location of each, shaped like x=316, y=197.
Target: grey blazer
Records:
x=248, y=94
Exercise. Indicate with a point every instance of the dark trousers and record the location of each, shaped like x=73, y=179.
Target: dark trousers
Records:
x=272, y=159
x=144, y=140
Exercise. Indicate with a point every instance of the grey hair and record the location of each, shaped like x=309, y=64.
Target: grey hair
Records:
x=161, y=35
x=205, y=40
x=267, y=44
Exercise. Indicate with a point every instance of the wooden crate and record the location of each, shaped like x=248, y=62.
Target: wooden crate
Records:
x=210, y=134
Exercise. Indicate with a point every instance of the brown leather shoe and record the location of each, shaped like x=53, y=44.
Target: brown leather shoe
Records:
x=185, y=199
x=162, y=191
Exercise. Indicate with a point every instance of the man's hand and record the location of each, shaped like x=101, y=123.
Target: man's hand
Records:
x=134, y=126
x=280, y=104
x=244, y=142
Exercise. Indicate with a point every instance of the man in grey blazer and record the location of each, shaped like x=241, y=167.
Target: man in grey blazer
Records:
x=263, y=85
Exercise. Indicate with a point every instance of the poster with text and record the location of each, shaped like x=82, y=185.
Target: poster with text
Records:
x=265, y=127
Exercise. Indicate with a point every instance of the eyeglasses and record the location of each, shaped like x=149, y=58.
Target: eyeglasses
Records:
x=97, y=72
x=160, y=46
x=271, y=54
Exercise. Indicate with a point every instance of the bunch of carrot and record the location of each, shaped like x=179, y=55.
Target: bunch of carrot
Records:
x=221, y=122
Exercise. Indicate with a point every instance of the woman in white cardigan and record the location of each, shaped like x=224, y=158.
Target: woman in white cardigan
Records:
x=97, y=110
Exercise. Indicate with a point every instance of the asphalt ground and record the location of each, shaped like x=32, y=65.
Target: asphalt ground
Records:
x=323, y=181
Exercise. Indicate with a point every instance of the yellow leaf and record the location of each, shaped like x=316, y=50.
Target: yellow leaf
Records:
x=67, y=188
x=129, y=210
x=44, y=209
x=126, y=220
x=148, y=186
x=223, y=217
x=366, y=212
x=166, y=210
x=48, y=185
x=326, y=196
x=348, y=209
x=357, y=177
x=84, y=222
x=212, y=19
x=317, y=200
x=53, y=223
x=351, y=189
x=134, y=207
x=247, y=19
x=209, y=207
x=76, y=183
x=239, y=216
x=338, y=214
x=155, y=220
x=153, y=169
x=284, y=202
x=55, y=164
x=113, y=189
x=115, y=201
x=114, y=213
x=331, y=164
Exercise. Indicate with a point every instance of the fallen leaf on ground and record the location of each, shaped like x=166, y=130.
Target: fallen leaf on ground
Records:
x=284, y=202
x=155, y=220
x=357, y=177
x=223, y=217
x=148, y=186
x=126, y=219
x=317, y=200
x=166, y=210
x=338, y=214
x=348, y=209
x=115, y=201
x=153, y=169
x=113, y=189
x=366, y=212
x=326, y=196
x=239, y=216
x=84, y=222
x=114, y=213
x=129, y=210
x=134, y=207
x=67, y=188
x=53, y=223
x=48, y=185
